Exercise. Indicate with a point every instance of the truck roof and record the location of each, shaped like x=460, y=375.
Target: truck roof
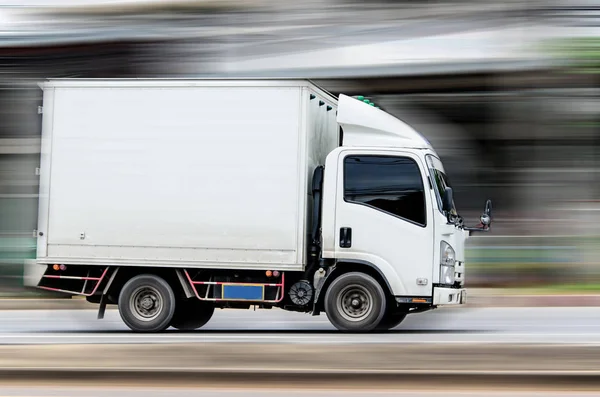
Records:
x=365, y=125
x=184, y=82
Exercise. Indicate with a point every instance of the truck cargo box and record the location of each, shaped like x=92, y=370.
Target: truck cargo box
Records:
x=210, y=173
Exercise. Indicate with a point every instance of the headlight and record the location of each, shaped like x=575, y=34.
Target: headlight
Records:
x=447, y=260
x=447, y=255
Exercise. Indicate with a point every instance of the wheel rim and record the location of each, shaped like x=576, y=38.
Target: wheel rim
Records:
x=146, y=303
x=355, y=303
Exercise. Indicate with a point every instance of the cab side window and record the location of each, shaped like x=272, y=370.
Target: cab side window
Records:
x=386, y=183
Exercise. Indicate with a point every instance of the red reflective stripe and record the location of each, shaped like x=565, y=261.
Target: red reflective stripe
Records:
x=192, y=283
x=232, y=283
x=73, y=277
x=98, y=282
x=282, y=288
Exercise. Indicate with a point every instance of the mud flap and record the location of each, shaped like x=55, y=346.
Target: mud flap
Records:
x=102, y=307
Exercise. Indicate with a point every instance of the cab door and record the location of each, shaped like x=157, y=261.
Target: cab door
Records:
x=383, y=217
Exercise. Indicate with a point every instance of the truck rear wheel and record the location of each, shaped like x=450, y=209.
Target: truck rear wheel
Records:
x=147, y=303
x=191, y=314
x=355, y=302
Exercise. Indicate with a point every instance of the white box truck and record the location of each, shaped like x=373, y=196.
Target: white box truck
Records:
x=173, y=197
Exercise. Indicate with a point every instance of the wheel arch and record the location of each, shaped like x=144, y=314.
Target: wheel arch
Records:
x=347, y=266
x=172, y=276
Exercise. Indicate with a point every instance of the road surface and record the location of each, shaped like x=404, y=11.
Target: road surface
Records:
x=183, y=392
x=453, y=325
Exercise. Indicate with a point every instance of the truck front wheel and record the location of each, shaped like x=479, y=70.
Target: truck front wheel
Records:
x=191, y=314
x=147, y=303
x=355, y=302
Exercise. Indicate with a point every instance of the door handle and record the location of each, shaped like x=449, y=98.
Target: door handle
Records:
x=346, y=237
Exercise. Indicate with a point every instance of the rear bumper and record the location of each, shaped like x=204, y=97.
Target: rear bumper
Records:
x=33, y=272
x=449, y=296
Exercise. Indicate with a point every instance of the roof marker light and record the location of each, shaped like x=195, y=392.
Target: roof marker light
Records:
x=321, y=103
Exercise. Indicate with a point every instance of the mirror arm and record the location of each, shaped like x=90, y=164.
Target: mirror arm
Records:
x=477, y=229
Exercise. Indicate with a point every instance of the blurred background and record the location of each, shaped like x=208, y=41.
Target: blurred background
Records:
x=507, y=92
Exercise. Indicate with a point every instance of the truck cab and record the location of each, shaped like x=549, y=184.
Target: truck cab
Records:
x=387, y=205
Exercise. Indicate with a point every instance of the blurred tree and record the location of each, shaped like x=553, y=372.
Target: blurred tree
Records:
x=582, y=54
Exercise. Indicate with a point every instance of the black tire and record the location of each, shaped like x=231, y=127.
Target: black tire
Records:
x=391, y=320
x=191, y=314
x=147, y=303
x=355, y=302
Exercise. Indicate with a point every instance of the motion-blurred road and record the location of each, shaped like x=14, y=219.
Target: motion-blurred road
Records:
x=182, y=392
x=574, y=325
x=128, y=392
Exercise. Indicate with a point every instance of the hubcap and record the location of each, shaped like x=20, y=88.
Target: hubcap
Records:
x=355, y=303
x=146, y=303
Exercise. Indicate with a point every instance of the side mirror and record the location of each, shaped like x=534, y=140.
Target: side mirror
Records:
x=447, y=200
x=486, y=217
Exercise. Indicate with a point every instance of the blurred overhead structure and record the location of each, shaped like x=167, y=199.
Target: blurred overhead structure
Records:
x=498, y=83
x=483, y=67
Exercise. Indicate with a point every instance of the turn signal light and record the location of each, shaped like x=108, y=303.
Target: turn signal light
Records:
x=56, y=267
x=269, y=273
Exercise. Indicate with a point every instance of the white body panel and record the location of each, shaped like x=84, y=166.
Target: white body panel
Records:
x=175, y=172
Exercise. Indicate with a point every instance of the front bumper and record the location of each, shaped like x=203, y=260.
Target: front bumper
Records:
x=459, y=272
x=449, y=296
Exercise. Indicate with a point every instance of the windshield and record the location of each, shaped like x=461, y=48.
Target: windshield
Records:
x=440, y=180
